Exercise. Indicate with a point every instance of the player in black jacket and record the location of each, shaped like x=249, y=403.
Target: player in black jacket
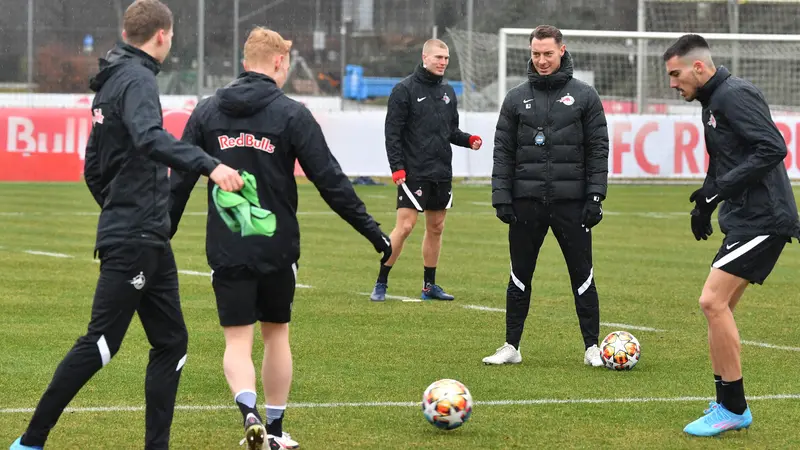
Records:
x=550, y=171
x=758, y=213
x=421, y=124
x=126, y=171
x=252, y=126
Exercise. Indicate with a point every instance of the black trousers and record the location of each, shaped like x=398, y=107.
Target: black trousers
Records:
x=525, y=238
x=133, y=278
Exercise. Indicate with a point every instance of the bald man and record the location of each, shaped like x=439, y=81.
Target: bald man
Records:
x=421, y=124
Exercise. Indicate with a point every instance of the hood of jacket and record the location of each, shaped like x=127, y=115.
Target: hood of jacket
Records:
x=117, y=57
x=248, y=94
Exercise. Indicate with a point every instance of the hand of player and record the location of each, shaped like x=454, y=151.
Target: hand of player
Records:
x=226, y=178
x=506, y=214
x=701, y=225
x=705, y=199
x=592, y=212
x=399, y=177
x=475, y=142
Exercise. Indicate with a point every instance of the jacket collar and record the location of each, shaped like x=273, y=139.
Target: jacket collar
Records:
x=555, y=80
x=426, y=77
x=705, y=91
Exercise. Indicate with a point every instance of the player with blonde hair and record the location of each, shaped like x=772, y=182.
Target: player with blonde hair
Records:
x=252, y=126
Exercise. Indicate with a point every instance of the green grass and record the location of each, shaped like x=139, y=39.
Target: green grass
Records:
x=648, y=268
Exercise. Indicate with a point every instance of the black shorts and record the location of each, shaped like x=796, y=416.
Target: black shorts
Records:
x=245, y=297
x=425, y=195
x=751, y=258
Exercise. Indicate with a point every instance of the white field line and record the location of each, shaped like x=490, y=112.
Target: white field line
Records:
x=185, y=272
x=632, y=327
x=484, y=308
x=605, y=324
x=776, y=347
x=396, y=297
x=51, y=254
x=531, y=402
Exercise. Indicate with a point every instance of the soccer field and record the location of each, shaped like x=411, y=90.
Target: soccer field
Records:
x=361, y=367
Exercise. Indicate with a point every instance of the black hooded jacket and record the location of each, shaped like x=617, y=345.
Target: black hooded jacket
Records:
x=573, y=160
x=128, y=151
x=251, y=125
x=421, y=123
x=746, y=160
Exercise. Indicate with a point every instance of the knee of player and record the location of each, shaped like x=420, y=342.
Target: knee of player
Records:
x=405, y=229
x=711, y=303
x=435, y=228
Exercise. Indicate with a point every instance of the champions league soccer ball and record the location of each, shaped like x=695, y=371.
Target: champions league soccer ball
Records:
x=447, y=404
x=620, y=350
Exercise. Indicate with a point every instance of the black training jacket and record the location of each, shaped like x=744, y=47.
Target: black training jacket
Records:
x=421, y=123
x=573, y=162
x=746, y=152
x=251, y=125
x=128, y=151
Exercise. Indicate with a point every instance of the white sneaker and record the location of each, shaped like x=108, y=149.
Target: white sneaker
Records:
x=283, y=441
x=592, y=357
x=506, y=354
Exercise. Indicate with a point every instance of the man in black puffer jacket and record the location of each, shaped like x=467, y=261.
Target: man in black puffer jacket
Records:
x=550, y=171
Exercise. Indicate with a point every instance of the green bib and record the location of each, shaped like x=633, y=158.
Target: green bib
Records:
x=242, y=212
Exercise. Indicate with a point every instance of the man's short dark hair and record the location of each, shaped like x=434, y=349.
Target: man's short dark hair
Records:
x=545, y=32
x=685, y=45
x=144, y=18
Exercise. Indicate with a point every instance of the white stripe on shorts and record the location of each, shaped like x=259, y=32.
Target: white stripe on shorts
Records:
x=411, y=197
x=749, y=245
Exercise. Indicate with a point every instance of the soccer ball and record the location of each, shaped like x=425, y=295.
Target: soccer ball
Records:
x=447, y=404
x=620, y=350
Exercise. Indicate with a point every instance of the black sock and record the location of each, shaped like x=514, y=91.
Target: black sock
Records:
x=275, y=426
x=733, y=396
x=383, y=275
x=718, y=387
x=430, y=275
x=248, y=410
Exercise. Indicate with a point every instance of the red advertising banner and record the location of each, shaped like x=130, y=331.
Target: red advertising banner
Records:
x=49, y=144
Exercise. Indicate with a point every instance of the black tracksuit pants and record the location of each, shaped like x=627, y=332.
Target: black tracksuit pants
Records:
x=525, y=238
x=133, y=278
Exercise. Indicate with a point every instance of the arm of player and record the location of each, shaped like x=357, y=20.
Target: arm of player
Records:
x=181, y=182
x=141, y=115
x=505, y=151
x=322, y=169
x=91, y=169
x=749, y=116
x=396, y=117
x=595, y=132
x=458, y=137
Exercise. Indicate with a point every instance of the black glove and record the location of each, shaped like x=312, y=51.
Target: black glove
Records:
x=706, y=199
x=506, y=214
x=383, y=245
x=701, y=225
x=592, y=211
